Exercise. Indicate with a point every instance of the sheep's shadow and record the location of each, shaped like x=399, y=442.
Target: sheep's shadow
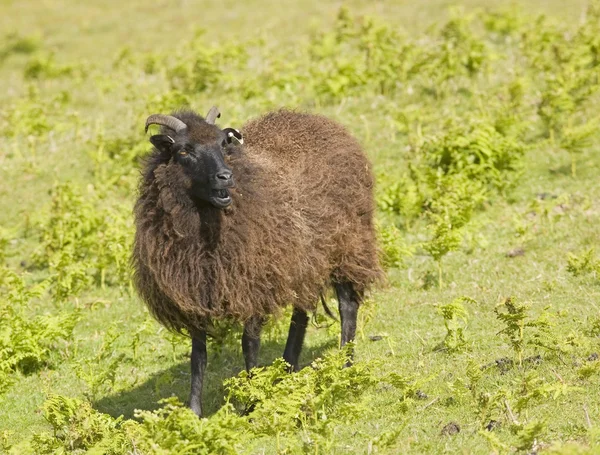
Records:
x=175, y=381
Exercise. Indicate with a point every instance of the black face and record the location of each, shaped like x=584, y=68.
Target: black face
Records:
x=205, y=165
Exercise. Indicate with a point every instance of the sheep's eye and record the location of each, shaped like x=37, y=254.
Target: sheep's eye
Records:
x=183, y=153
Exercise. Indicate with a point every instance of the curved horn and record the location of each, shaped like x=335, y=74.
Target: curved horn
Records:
x=165, y=120
x=212, y=115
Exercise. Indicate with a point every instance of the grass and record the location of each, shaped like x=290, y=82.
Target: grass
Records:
x=549, y=214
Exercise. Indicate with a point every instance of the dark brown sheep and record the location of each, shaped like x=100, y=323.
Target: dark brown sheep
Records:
x=232, y=231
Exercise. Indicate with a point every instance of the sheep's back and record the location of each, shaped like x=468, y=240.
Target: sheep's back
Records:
x=314, y=154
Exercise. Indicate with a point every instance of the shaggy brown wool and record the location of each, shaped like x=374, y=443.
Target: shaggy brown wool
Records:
x=301, y=218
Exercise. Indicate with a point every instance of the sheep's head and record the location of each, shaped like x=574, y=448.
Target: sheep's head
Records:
x=199, y=147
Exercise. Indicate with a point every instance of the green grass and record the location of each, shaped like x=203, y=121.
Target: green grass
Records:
x=548, y=214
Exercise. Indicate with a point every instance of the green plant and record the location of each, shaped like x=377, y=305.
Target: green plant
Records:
x=31, y=115
x=575, y=139
x=70, y=276
x=15, y=43
x=451, y=206
x=583, y=263
x=455, y=321
x=530, y=434
x=400, y=196
x=520, y=329
x=100, y=370
x=533, y=388
x=477, y=151
x=394, y=249
x=4, y=239
x=311, y=399
x=78, y=428
x=176, y=429
x=198, y=67
x=45, y=67
x=27, y=341
x=271, y=400
x=81, y=243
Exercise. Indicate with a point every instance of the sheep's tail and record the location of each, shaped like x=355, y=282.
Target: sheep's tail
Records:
x=326, y=308
x=327, y=312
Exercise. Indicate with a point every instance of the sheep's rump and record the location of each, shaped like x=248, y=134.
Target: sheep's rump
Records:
x=302, y=217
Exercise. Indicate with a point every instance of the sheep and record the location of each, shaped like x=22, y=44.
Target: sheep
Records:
x=236, y=225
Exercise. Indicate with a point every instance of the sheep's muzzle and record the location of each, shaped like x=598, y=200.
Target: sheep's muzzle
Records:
x=221, y=198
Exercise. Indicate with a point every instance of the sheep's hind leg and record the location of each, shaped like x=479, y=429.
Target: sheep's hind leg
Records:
x=251, y=341
x=348, y=306
x=293, y=347
x=198, y=360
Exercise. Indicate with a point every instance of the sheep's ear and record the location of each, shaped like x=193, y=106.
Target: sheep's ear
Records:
x=162, y=142
x=233, y=136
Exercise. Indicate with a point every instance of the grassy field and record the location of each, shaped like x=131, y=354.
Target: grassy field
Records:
x=481, y=124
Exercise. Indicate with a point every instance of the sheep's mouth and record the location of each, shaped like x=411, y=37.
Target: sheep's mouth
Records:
x=220, y=198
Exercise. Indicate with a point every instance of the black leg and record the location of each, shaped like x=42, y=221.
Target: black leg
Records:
x=251, y=341
x=198, y=367
x=348, y=305
x=293, y=347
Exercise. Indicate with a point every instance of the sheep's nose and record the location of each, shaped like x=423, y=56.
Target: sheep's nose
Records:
x=224, y=179
x=224, y=176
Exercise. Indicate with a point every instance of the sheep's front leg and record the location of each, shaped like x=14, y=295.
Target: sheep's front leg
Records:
x=251, y=341
x=348, y=306
x=293, y=347
x=198, y=361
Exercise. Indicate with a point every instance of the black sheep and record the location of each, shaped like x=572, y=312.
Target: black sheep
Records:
x=226, y=230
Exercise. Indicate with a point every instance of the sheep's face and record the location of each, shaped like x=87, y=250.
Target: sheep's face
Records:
x=203, y=163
